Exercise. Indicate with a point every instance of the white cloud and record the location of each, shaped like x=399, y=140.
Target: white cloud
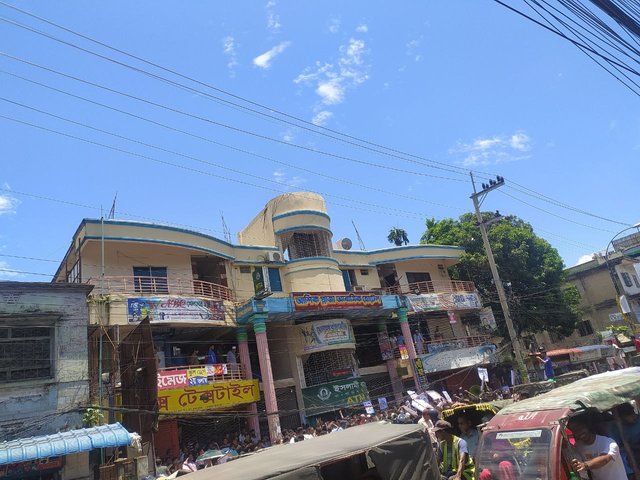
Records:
x=288, y=135
x=264, y=60
x=493, y=150
x=229, y=48
x=363, y=28
x=585, y=259
x=334, y=25
x=332, y=80
x=281, y=176
x=413, y=47
x=273, y=19
x=8, y=204
x=321, y=118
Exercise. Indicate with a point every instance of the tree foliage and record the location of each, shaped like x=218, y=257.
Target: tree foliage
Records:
x=398, y=236
x=531, y=270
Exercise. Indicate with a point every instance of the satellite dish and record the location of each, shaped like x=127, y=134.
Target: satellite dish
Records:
x=344, y=244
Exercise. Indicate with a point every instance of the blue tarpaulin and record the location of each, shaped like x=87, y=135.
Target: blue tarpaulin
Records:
x=64, y=443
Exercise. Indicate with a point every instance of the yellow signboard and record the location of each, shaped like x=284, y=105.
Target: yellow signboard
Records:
x=208, y=397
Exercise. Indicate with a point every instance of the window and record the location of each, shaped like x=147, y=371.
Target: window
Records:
x=307, y=245
x=349, y=277
x=364, y=272
x=73, y=276
x=626, y=278
x=245, y=269
x=150, y=279
x=585, y=328
x=274, y=279
x=415, y=277
x=25, y=353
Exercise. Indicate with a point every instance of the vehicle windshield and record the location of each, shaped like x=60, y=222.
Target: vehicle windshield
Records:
x=515, y=454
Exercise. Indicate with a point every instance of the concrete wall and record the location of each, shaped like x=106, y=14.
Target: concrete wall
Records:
x=32, y=407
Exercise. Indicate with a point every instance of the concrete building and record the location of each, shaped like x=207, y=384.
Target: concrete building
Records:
x=321, y=327
x=44, y=379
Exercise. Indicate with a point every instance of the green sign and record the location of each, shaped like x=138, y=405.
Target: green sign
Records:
x=350, y=392
x=260, y=285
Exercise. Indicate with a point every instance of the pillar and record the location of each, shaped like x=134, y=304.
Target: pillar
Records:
x=268, y=387
x=408, y=342
x=245, y=363
x=396, y=383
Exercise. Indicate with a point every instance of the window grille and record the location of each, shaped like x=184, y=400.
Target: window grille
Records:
x=320, y=366
x=306, y=244
x=25, y=353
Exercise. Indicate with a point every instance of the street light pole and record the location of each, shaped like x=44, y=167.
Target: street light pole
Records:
x=477, y=198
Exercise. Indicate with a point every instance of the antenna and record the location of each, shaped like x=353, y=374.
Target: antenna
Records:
x=360, y=241
x=225, y=228
x=112, y=212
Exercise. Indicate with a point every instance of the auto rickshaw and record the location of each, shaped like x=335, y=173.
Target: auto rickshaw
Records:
x=530, y=437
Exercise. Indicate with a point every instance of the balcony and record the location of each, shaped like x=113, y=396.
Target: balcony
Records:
x=451, y=286
x=163, y=286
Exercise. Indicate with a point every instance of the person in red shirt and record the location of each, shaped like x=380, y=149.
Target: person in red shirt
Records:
x=636, y=342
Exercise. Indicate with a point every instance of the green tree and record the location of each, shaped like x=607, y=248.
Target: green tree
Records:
x=398, y=236
x=530, y=268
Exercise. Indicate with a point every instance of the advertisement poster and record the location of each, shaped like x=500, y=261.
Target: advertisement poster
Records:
x=341, y=393
x=459, y=358
x=426, y=302
x=197, y=376
x=404, y=353
x=368, y=407
x=174, y=309
x=385, y=346
x=208, y=397
x=382, y=402
x=332, y=301
x=325, y=335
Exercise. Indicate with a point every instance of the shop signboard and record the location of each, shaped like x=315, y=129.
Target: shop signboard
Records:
x=197, y=376
x=340, y=393
x=591, y=353
x=335, y=301
x=41, y=468
x=458, y=358
x=325, y=335
x=404, y=353
x=186, y=377
x=425, y=302
x=208, y=397
x=174, y=309
x=461, y=301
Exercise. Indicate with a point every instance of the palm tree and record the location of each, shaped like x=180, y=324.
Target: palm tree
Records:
x=398, y=236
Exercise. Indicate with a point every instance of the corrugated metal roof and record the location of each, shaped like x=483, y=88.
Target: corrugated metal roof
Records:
x=602, y=392
x=64, y=443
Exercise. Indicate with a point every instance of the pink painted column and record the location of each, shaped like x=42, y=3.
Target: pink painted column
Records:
x=396, y=383
x=408, y=342
x=245, y=363
x=268, y=387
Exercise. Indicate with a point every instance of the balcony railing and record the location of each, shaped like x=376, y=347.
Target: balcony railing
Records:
x=436, y=346
x=451, y=286
x=163, y=286
x=177, y=376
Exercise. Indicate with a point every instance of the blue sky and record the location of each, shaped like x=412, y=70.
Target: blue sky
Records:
x=465, y=83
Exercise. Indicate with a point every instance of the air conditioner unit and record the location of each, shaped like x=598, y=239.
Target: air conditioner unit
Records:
x=358, y=288
x=274, y=256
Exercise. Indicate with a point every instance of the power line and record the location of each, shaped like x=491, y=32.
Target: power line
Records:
x=203, y=172
x=264, y=157
x=316, y=129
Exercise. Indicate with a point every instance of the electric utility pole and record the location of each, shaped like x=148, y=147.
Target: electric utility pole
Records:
x=478, y=198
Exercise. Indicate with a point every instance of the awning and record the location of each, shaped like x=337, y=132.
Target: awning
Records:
x=65, y=443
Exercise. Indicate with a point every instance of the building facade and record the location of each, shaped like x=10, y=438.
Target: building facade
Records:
x=319, y=327
x=44, y=378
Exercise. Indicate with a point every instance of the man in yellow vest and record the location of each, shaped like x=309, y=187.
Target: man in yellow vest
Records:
x=456, y=462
